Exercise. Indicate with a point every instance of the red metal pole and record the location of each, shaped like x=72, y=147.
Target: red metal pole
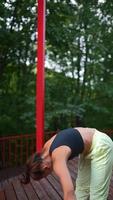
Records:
x=40, y=82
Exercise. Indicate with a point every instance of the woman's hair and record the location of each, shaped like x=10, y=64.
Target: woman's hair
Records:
x=33, y=168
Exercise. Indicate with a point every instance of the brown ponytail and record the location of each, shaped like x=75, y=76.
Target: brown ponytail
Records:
x=33, y=169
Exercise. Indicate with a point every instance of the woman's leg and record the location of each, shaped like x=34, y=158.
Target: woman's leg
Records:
x=83, y=179
x=101, y=167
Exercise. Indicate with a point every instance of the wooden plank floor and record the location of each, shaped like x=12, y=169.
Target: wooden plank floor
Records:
x=45, y=189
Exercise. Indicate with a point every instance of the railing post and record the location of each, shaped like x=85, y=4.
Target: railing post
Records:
x=40, y=81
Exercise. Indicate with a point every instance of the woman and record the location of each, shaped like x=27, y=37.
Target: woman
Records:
x=95, y=150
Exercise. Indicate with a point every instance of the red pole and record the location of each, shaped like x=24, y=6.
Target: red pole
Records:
x=40, y=76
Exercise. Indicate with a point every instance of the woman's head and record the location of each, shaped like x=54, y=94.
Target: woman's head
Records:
x=36, y=167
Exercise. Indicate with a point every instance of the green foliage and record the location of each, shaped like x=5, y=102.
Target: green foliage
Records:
x=79, y=39
x=17, y=58
x=61, y=108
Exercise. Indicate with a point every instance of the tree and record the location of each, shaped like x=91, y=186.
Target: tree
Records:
x=79, y=39
x=17, y=62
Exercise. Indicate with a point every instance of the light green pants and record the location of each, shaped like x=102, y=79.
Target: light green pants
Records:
x=95, y=169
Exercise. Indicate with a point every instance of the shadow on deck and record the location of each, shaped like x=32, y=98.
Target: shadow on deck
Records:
x=46, y=189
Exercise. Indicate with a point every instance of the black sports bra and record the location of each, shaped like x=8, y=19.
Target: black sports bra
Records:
x=69, y=137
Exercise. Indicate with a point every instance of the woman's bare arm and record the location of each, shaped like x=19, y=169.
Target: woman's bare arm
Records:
x=61, y=170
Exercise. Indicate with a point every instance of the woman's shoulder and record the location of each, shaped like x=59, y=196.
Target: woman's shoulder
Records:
x=49, y=142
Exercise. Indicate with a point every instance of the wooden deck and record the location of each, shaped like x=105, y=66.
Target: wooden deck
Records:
x=45, y=189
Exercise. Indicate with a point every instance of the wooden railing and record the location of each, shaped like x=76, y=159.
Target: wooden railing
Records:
x=15, y=150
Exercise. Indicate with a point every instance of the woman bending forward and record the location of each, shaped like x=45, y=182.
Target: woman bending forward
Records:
x=95, y=151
